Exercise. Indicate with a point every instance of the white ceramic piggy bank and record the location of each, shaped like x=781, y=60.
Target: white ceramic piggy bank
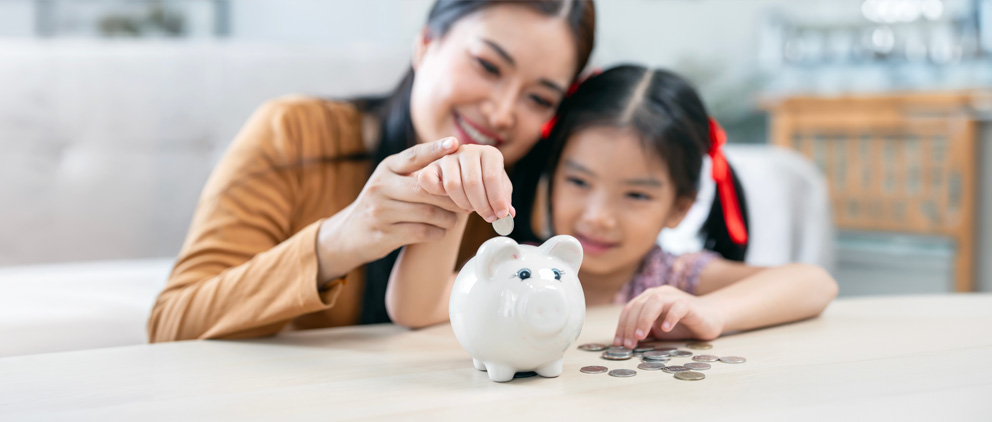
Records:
x=517, y=308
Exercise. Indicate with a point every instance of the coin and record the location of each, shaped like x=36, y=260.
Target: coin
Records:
x=664, y=349
x=705, y=358
x=674, y=368
x=699, y=346
x=690, y=376
x=642, y=349
x=595, y=369
x=732, y=359
x=680, y=353
x=623, y=373
x=697, y=366
x=503, y=226
x=608, y=356
x=593, y=347
x=654, y=354
x=659, y=360
x=651, y=366
x=618, y=350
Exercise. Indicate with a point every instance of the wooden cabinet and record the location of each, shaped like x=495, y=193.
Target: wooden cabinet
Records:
x=895, y=162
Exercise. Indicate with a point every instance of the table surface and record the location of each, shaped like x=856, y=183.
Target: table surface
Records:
x=887, y=358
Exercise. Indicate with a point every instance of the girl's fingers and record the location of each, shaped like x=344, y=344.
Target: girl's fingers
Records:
x=496, y=182
x=474, y=185
x=675, y=313
x=630, y=324
x=649, y=316
x=451, y=175
x=622, y=323
x=430, y=179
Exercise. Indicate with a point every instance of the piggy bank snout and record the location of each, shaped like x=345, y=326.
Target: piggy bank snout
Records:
x=544, y=311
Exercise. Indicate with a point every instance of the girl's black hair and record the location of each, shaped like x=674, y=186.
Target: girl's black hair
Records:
x=396, y=131
x=671, y=121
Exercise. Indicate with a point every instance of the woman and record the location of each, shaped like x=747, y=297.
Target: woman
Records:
x=313, y=192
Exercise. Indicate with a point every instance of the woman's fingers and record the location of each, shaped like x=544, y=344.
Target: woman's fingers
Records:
x=413, y=212
x=419, y=156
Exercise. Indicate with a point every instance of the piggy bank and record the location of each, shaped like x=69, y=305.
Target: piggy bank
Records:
x=517, y=308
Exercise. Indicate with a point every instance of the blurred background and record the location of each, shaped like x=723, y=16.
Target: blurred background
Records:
x=861, y=126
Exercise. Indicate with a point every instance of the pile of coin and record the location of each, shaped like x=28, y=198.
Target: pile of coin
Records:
x=654, y=358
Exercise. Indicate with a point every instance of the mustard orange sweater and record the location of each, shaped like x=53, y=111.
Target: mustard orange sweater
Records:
x=248, y=267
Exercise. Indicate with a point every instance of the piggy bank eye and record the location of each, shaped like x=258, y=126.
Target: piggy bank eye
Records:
x=523, y=274
x=557, y=273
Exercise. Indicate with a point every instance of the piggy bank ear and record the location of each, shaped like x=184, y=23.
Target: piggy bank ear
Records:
x=493, y=253
x=565, y=248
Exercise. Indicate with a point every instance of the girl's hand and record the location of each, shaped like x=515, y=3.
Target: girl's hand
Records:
x=474, y=178
x=391, y=211
x=667, y=313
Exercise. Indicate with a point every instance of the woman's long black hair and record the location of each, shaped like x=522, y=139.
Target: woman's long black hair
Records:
x=671, y=121
x=393, y=111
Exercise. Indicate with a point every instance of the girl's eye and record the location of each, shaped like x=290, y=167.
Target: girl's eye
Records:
x=557, y=273
x=576, y=181
x=523, y=274
x=542, y=102
x=638, y=196
x=489, y=67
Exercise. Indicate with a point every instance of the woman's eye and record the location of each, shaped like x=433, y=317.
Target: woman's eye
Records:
x=489, y=67
x=576, y=181
x=542, y=101
x=523, y=274
x=557, y=273
x=638, y=196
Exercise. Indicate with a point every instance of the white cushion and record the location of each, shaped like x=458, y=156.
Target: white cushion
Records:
x=73, y=306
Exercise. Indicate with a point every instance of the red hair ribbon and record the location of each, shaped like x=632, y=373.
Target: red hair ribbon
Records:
x=550, y=124
x=725, y=185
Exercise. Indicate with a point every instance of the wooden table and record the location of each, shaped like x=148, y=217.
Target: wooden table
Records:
x=885, y=358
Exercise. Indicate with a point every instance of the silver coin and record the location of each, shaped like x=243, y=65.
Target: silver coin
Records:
x=660, y=360
x=705, y=358
x=697, y=366
x=618, y=350
x=593, y=347
x=654, y=354
x=699, y=346
x=680, y=353
x=651, y=366
x=642, y=349
x=608, y=356
x=623, y=373
x=732, y=359
x=674, y=368
x=595, y=369
x=503, y=226
x=690, y=376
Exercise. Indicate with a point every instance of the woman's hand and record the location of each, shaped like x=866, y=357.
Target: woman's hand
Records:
x=391, y=211
x=474, y=178
x=667, y=313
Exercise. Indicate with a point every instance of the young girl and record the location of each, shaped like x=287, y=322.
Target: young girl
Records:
x=624, y=161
